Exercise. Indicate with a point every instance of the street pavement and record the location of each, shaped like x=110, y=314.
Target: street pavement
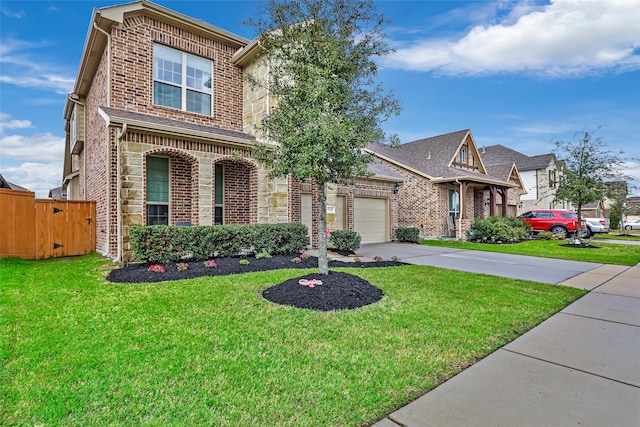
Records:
x=581, y=367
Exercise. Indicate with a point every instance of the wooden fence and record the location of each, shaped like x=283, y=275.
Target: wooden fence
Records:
x=33, y=228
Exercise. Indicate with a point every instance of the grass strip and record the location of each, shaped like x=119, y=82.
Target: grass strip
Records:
x=604, y=253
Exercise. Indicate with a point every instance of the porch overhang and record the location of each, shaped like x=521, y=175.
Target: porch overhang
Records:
x=160, y=126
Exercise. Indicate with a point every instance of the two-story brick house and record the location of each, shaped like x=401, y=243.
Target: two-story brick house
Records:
x=158, y=132
x=540, y=175
x=446, y=184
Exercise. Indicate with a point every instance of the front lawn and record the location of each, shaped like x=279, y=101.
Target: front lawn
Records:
x=605, y=253
x=77, y=350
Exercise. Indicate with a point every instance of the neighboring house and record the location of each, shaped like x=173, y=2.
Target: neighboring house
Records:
x=539, y=174
x=446, y=184
x=593, y=210
x=9, y=185
x=160, y=130
x=56, y=193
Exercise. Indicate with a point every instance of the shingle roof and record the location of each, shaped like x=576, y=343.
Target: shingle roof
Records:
x=10, y=185
x=429, y=155
x=382, y=171
x=147, y=120
x=499, y=154
x=433, y=157
x=501, y=171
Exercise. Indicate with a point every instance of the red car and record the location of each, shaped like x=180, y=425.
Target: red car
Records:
x=555, y=220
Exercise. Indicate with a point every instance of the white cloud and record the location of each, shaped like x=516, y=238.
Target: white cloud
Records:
x=565, y=38
x=20, y=68
x=11, y=14
x=36, y=177
x=39, y=147
x=5, y=123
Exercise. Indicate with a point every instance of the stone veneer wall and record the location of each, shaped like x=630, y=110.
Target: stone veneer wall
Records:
x=249, y=197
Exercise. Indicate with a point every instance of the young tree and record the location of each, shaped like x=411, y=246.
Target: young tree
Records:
x=321, y=60
x=589, y=167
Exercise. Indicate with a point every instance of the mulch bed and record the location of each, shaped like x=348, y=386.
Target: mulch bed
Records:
x=338, y=291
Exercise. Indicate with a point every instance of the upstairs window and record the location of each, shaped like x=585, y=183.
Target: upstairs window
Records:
x=181, y=80
x=463, y=155
x=552, y=179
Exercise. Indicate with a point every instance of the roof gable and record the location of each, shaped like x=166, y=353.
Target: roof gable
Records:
x=438, y=158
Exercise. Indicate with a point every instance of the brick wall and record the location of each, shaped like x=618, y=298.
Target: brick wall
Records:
x=240, y=195
x=94, y=173
x=132, y=71
x=361, y=187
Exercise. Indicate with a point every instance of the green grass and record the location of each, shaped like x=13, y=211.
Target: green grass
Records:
x=606, y=253
x=615, y=235
x=77, y=350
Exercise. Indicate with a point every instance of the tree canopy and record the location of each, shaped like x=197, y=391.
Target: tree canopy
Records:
x=589, y=168
x=327, y=106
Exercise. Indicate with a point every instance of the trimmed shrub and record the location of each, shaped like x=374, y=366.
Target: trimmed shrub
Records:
x=345, y=240
x=494, y=228
x=280, y=239
x=162, y=243
x=548, y=235
x=407, y=234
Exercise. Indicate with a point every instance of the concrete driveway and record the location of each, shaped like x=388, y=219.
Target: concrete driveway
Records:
x=543, y=270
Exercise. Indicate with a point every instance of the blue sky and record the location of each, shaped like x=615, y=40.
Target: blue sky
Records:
x=518, y=73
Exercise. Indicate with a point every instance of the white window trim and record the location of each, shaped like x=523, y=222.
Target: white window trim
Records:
x=183, y=85
x=168, y=203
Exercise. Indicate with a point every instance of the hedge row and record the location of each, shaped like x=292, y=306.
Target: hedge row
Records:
x=162, y=243
x=503, y=229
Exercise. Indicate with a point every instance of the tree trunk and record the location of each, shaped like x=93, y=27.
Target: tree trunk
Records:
x=323, y=261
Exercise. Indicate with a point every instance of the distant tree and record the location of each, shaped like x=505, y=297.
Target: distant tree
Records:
x=328, y=108
x=588, y=169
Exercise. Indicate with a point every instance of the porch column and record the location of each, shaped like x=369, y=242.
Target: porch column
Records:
x=464, y=186
x=492, y=200
x=504, y=193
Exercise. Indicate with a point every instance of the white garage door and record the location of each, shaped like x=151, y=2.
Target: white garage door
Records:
x=370, y=219
x=307, y=216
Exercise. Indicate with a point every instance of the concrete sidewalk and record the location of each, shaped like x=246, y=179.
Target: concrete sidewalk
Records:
x=579, y=367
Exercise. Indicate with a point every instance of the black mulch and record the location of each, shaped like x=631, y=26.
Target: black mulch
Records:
x=580, y=246
x=339, y=291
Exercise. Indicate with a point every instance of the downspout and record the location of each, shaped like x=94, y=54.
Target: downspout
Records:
x=84, y=150
x=109, y=183
x=120, y=133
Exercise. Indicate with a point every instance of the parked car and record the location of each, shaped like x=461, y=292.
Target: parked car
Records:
x=554, y=220
x=632, y=224
x=597, y=225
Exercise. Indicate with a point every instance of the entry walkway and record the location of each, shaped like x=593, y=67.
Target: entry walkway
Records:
x=579, y=367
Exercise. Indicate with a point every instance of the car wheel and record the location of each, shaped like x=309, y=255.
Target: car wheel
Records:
x=628, y=227
x=587, y=233
x=558, y=229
